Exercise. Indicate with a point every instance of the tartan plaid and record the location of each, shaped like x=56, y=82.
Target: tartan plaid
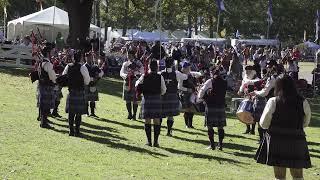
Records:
x=76, y=102
x=151, y=107
x=46, y=97
x=215, y=117
x=170, y=105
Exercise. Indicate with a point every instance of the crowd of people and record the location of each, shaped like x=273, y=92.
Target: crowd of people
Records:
x=189, y=78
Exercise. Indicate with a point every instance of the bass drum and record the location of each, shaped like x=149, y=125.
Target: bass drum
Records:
x=244, y=112
x=198, y=106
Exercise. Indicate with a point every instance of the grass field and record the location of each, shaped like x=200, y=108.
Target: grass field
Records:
x=112, y=147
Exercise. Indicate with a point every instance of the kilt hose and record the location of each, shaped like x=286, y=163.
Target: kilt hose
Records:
x=170, y=105
x=76, y=102
x=151, y=107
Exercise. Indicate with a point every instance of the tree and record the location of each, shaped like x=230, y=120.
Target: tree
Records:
x=80, y=12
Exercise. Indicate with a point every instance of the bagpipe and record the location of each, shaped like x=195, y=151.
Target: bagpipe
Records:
x=37, y=47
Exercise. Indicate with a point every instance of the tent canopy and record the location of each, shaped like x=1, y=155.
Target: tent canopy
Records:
x=148, y=36
x=256, y=42
x=50, y=21
x=215, y=41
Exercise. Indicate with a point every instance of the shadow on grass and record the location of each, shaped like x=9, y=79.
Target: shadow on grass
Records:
x=202, y=156
x=100, y=138
x=241, y=154
x=121, y=123
x=226, y=145
x=22, y=72
x=111, y=86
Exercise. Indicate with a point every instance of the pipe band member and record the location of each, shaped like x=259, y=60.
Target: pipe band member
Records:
x=268, y=90
x=153, y=86
x=284, y=119
x=186, y=89
x=213, y=93
x=130, y=71
x=58, y=66
x=250, y=83
x=92, y=94
x=47, y=80
x=76, y=105
x=170, y=100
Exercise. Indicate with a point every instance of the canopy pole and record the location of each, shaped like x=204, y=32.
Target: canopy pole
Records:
x=54, y=14
x=160, y=27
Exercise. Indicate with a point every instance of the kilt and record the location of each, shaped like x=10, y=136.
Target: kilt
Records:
x=91, y=96
x=58, y=93
x=185, y=99
x=284, y=150
x=170, y=105
x=258, y=106
x=151, y=107
x=76, y=102
x=46, y=97
x=215, y=117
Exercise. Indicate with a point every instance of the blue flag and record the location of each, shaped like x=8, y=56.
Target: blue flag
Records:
x=269, y=12
x=220, y=5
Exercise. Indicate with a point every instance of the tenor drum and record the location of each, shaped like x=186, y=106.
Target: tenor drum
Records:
x=244, y=112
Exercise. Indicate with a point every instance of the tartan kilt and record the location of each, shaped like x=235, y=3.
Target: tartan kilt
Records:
x=46, y=97
x=280, y=150
x=185, y=99
x=58, y=93
x=258, y=106
x=91, y=96
x=151, y=107
x=76, y=102
x=215, y=117
x=170, y=105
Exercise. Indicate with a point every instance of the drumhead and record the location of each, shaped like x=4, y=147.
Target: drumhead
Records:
x=245, y=117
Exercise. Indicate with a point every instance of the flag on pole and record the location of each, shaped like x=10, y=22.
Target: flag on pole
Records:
x=317, y=25
x=270, y=20
x=220, y=5
x=238, y=34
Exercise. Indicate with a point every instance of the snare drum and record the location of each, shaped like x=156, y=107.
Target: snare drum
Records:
x=244, y=112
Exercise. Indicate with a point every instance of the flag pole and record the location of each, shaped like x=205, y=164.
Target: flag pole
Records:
x=268, y=30
x=53, y=19
x=4, y=23
x=160, y=27
x=218, y=22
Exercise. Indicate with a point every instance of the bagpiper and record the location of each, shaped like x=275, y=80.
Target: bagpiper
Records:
x=153, y=86
x=170, y=100
x=76, y=105
x=130, y=71
x=92, y=94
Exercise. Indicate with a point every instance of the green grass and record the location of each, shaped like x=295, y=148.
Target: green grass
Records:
x=113, y=147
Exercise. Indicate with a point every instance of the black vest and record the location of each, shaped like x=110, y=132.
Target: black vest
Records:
x=93, y=70
x=190, y=83
x=288, y=116
x=152, y=84
x=216, y=99
x=171, y=81
x=75, y=78
x=44, y=79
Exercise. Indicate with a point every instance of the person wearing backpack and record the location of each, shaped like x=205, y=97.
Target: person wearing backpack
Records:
x=76, y=106
x=213, y=93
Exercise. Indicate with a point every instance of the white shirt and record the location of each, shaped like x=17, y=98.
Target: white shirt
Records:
x=207, y=85
x=180, y=82
x=48, y=67
x=247, y=81
x=84, y=71
x=270, y=108
x=180, y=76
x=271, y=82
x=163, y=84
x=124, y=70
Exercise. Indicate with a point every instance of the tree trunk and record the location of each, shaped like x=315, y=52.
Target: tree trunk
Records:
x=98, y=13
x=107, y=21
x=79, y=12
x=196, y=22
x=125, y=18
x=189, y=26
x=211, y=26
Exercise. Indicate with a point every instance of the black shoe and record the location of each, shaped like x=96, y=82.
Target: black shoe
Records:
x=148, y=144
x=252, y=132
x=56, y=114
x=156, y=145
x=129, y=117
x=169, y=134
x=93, y=115
x=46, y=126
x=38, y=118
x=191, y=127
x=220, y=146
x=71, y=133
x=134, y=117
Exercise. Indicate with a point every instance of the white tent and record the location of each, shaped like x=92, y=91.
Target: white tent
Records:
x=215, y=41
x=50, y=21
x=256, y=42
x=149, y=36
